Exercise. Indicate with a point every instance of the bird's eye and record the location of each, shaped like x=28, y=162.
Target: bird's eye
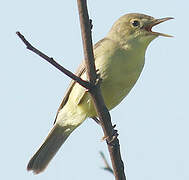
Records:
x=135, y=23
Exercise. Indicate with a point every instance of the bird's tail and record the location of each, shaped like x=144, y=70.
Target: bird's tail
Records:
x=68, y=119
x=49, y=148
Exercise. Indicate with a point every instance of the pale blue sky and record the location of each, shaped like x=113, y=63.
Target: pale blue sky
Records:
x=152, y=120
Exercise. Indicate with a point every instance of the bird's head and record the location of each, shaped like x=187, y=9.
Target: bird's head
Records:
x=136, y=28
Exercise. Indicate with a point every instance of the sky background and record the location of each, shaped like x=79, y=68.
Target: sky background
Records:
x=152, y=120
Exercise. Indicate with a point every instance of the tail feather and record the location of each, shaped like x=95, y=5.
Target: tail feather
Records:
x=49, y=148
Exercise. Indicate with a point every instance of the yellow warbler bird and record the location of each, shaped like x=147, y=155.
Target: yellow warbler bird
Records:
x=120, y=58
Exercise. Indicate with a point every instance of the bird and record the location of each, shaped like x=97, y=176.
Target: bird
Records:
x=119, y=58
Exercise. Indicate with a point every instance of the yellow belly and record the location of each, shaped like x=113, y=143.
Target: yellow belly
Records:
x=119, y=69
x=119, y=75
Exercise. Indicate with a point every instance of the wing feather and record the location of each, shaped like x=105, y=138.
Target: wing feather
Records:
x=81, y=70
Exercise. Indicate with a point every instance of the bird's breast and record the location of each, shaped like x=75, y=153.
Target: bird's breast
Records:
x=119, y=74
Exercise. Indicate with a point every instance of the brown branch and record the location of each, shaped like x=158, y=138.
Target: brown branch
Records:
x=101, y=109
x=83, y=83
x=107, y=166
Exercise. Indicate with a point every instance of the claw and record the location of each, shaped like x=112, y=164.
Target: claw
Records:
x=98, y=78
x=104, y=138
x=113, y=137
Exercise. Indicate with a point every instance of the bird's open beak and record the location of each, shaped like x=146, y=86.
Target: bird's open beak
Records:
x=149, y=26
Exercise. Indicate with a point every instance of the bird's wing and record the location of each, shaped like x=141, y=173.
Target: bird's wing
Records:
x=81, y=70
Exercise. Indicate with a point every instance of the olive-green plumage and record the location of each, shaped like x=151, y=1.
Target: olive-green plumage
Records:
x=120, y=60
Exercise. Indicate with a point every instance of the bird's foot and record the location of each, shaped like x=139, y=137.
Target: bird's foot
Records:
x=96, y=83
x=98, y=78
x=110, y=140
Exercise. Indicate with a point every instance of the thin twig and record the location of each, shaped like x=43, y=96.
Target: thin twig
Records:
x=107, y=166
x=83, y=83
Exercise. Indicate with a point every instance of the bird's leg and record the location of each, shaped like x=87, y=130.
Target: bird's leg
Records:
x=96, y=120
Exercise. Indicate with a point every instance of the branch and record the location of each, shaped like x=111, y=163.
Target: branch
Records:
x=102, y=111
x=83, y=83
x=107, y=166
